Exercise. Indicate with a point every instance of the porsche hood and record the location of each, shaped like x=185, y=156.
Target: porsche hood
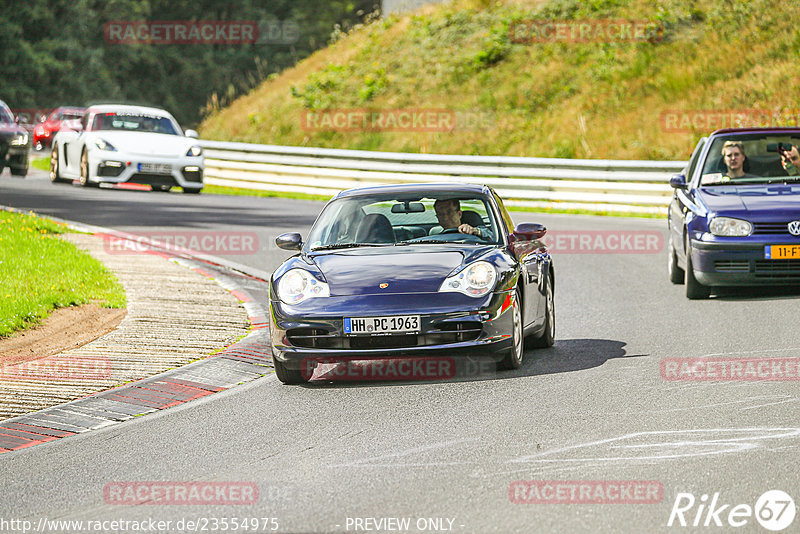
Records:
x=365, y=271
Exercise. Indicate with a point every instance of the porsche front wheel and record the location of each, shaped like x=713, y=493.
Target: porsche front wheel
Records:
x=288, y=376
x=513, y=357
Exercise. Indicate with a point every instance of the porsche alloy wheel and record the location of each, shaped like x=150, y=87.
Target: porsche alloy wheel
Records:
x=54, y=170
x=85, y=170
x=513, y=358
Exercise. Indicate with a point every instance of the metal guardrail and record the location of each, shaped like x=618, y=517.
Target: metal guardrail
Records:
x=604, y=185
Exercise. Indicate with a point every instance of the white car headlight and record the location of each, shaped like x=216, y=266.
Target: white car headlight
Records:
x=475, y=280
x=728, y=227
x=297, y=285
x=195, y=151
x=104, y=145
x=19, y=140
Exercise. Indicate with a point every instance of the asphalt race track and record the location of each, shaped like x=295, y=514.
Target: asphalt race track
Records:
x=337, y=457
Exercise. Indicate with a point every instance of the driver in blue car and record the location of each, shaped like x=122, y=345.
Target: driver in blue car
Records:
x=448, y=211
x=734, y=157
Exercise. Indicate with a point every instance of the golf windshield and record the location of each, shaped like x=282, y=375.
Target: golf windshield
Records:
x=749, y=159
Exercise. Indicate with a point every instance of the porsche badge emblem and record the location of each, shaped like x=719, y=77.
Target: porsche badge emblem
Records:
x=384, y=286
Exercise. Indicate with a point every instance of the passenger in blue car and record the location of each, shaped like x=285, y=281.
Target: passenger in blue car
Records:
x=450, y=216
x=790, y=159
x=735, y=160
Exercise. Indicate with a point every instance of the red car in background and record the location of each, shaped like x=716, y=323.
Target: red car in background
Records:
x=43, y=133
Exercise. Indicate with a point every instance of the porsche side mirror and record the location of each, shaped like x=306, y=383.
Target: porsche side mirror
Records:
x=290, y=241
x=192, y=133
x=678, y=181
x=529, y=231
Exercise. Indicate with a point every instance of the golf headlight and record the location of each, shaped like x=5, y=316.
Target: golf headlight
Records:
x=298, y=285
x=727, y=227
x=19, y=140
x=104, y=145
x=195, y=151
x=475, y=280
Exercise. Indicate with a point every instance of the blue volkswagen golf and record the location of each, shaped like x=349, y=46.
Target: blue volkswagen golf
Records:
x=411, y=271
x=734, y=219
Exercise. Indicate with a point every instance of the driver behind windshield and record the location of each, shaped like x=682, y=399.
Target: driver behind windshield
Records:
x=734, y=157
x=448, y=211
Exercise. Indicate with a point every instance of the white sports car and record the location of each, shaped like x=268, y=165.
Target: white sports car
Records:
x=127, y=144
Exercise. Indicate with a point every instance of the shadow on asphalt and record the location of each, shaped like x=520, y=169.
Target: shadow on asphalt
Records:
x=756, y=293
x=565, y=356
x=108, y=207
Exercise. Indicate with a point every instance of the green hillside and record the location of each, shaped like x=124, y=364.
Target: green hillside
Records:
x=591, y=99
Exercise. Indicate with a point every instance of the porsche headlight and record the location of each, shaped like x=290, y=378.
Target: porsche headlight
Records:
x=475, y=280
x=195, y=151
x=19, y=140
x=298, y=285
x=728, y=227
x=104, y=145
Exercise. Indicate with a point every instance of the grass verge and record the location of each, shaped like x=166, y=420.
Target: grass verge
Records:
x=240, y=191
x=40, y=272
x=602, y=98
x=41, y=163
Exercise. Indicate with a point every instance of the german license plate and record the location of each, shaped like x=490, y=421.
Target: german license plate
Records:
x=381, y=325
x=782, y=252
x=156, y=168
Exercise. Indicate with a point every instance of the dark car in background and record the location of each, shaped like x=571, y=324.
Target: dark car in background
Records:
x=14, y=143
x=44, y=131
x=378, y=278
x=738, y=228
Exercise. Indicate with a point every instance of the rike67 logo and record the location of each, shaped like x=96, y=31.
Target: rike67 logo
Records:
x=774, y=510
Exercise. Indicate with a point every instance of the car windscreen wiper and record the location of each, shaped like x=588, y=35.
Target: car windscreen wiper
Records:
x=349, y=245
x=761, y=180
x=784, y=180
x=437, y=242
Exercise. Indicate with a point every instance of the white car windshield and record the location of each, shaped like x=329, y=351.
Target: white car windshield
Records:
x=134, y=122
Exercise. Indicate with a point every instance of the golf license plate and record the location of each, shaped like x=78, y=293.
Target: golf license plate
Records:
x=397, y=324
x=782, y=252
x=156, y=168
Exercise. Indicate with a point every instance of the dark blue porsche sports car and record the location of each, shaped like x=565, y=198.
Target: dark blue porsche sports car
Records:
x=408, y=271
x=734, y=219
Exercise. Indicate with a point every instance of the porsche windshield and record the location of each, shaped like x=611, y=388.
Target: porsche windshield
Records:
x=757, y=158
x=388, y=220
x=134, y=123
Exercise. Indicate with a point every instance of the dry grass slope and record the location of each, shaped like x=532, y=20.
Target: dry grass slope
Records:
x=584, y=100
